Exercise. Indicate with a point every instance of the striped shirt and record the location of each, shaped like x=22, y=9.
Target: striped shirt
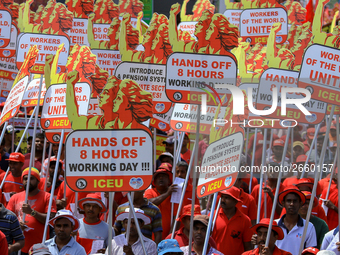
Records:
x=150, y=210
x=9, y=225
x=150, y=247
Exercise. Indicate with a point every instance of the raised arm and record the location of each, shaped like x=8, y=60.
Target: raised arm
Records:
x=177, y=45
x=139, y=26
x=54, y=77
x=90, y=35
x=271, y=43
x=184, y=16
x=27, y=26
x=245, y=77
x=77, y=122
x=317, y=21
x=126, y=55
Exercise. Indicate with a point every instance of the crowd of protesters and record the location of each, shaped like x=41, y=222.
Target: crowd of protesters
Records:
x=78, y=224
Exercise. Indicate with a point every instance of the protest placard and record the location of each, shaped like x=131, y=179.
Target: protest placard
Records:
x=9, y=50
x=46, y=44
x=5, y=26
x=100, y=31
x=255, y=24
x=107, y=59
x=54, y=135
x=256, y=121
x=30, y=98
x=278, y=78
x=188, y=26
x=233, y=16
x=8, y=68
x=220, y=165
x=151, y=78
x=320, y=73
x=109, y=160
x=78, y=32
x=189, y=76
x=161, y=121
x=54, y=115
x=184, y=118
x=13, y=100
x=6, y=86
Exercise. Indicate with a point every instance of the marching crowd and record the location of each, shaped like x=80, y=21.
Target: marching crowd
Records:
x=78, y=223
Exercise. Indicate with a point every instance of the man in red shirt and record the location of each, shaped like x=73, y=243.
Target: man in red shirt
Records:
x=232, y=227
x=182, y=235
x=259, y=145
x=185, y=152
x=53, y=162
x=39, y=148
x=248, y=204
x=332, y=204
x=3, y=244
x=310, y=136
x=35, y=209
x=160, y=195
x=269, y=189
x=13, y=182
x=261, y=229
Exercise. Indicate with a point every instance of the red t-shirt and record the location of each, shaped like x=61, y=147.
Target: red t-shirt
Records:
x=37, y=162
x=259, y=146
x=38, y=203
x=246, y=182
x=276, y=251
x=255, y=195
x=186, y=156
x=183, y=240
x=165, y=207
x=70, y=196
x=3, y=244
x=231, y=234
x=248, y=205
x=332, y=216
x=12, y=184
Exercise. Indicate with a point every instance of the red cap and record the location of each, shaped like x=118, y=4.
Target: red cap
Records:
x=310, y=133
x=279, y=142
x=162, y=171
x=305, y=182
x=308, y=195
x=187, y=211
x=310, y=250
x=233, y=192
x=16, y=157
x=166, y=166
x=323, y=129
x=301, y=159
x=93, y=198
x=291, y=189
x=265, y=223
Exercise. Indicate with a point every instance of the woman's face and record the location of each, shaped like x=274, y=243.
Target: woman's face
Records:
x=212, y=32
x=105, y=98
x=120, y=103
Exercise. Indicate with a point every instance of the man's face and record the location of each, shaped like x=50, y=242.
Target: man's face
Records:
x=185, y=141
x=169, y=147
x=199, y=232
x=278, y=150
x=39, y=144
x=297, y=151
x=162, y=180
x=227, y=202
x=167, y=159
x=133, y=228
x=186, y=222
x=63, y=228
x=33, y=182
x=29, y=146
x=262, y=236
x=181, y=171
x=292, y=203
x=15, y=166
x=55, y=147
x=304, y=209
x=92, y=210
x=319, y=144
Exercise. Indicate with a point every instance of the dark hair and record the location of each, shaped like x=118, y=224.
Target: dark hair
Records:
x=30, y=138
x=183, y=163
x=40, y=136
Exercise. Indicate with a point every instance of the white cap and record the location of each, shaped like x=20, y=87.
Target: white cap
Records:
x=139, y=214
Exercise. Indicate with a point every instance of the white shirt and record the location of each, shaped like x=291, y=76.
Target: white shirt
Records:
x=72, y=247
x=211, y=251
x=292, y=239
x=329, y=242
x=150, y=247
